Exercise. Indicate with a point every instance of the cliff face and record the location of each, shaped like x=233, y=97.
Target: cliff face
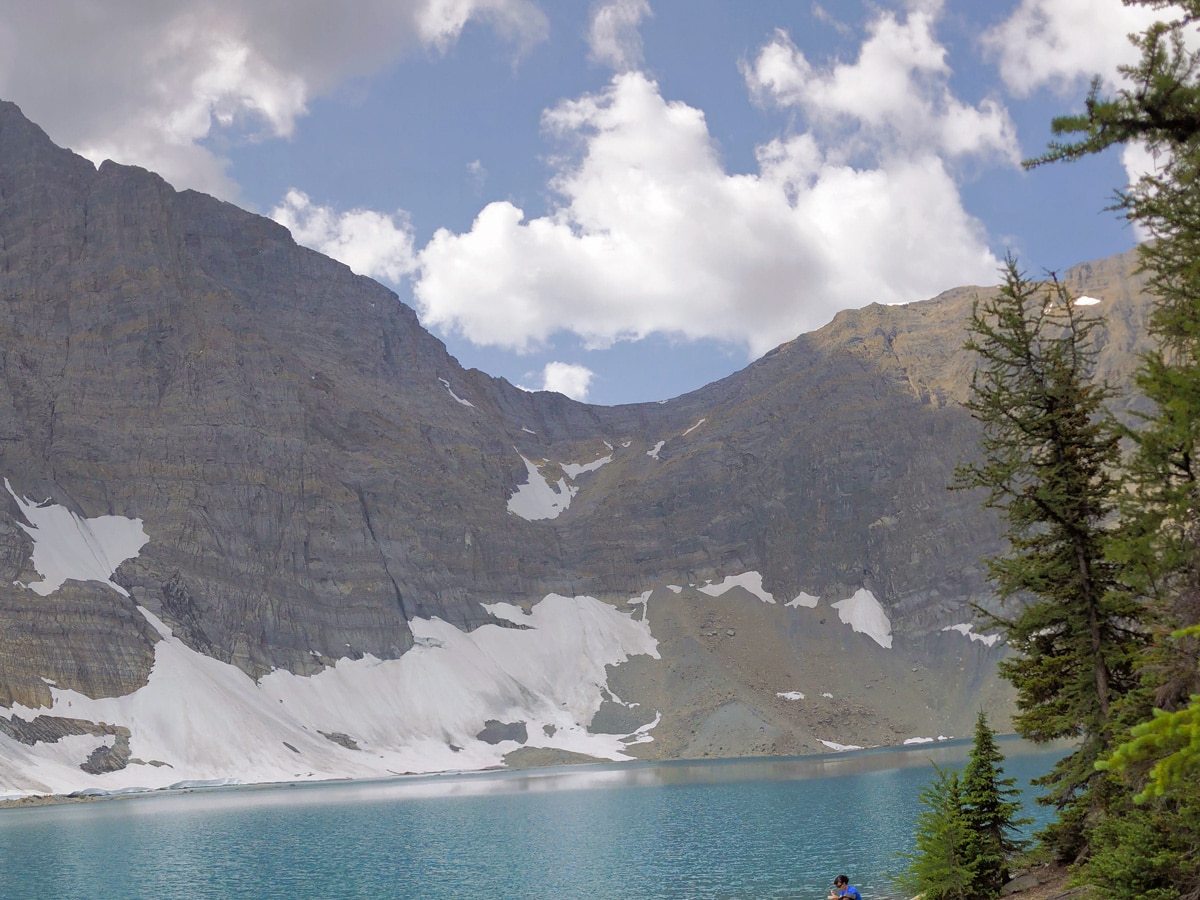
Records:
x=317, y=479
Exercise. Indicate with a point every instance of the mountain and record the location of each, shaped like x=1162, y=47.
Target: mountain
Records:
x=258, y=525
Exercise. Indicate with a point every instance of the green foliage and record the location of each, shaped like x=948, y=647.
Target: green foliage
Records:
x=1146, y=843
x=989, y=808
x=1170, y=742
x=1160, y=104
x=1049, y=451
x=1173, y=740
x=1148, y=850
x=943, y=864
x=968, y=829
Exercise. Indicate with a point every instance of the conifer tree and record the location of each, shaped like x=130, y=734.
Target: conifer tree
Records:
x=991, y=809
x=944, y=861
x=1147, y=844
x=1159, y=106
x=1049, y=453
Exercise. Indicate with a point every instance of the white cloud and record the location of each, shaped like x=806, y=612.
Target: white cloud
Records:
x=613, y=37
x=1061, y=43
x=823, y=16
x=567, y=378
x=370, y=243
x=652, y=235
x=896, y=94
x=145, y=82
x=476, y=173
x=1064, y=44
x=441, y=21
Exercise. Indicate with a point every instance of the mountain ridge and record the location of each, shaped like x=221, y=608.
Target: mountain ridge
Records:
x=319, y=481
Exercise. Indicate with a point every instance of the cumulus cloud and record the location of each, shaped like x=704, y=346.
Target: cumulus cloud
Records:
x=896, y=94
x=570, y=379
x=441, y=21
x=652, y=235
x=370, y=243
x=1061, y=43
x=1064, y=44
x=613, y=37
x=146, y=81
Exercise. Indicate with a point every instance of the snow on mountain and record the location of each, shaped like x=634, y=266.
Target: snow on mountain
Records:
x=201, y=719
x=574, y=470
x=68, y=546
x=750, y=581
x=866, y=615
x=538, y=498
x=966, y=630
x=454, y=395
x=840, y=748
x=807, y=601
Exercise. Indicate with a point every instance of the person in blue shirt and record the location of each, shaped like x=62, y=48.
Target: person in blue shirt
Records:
x=843, y=888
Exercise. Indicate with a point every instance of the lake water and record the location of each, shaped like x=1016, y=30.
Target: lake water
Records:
x=757, y=829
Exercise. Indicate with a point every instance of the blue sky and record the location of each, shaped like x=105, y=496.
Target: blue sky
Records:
x=621, y=199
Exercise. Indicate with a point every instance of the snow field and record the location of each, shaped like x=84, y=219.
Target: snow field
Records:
x=67, y=546
x=210, y=721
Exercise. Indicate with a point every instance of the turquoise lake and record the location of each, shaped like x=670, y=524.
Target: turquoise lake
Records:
x=740, y=828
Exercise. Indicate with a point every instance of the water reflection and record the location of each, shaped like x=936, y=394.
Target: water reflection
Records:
x=737, y=828
x=561, y=778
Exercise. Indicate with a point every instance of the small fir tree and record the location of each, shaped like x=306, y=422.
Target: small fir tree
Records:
x=944, y=861
x=991, y=809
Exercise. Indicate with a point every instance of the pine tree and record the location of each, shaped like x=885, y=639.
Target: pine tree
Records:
x=944, y=861
x=1160, y=104
x=990, y=809
x=1049, y=450
x=1147, y=844
x=1160, y=544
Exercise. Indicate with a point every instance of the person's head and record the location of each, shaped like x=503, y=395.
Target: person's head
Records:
x=841, y=881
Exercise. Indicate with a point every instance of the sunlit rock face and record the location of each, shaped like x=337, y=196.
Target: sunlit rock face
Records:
x=227, y=454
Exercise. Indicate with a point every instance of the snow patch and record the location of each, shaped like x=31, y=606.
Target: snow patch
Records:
x=208, y=720
x=537, y=498
x=653, y=454
x=674, y=588
x=917, y=740
x=840, y=748
x=70, y=547
x=808, y=601
x=790, y=695
x=750, y=581
x=1085, y=300
x=827, y=695
x=966, y=630
x=866, y=615
x=574, y=470
x=455, y=396
x=528, y=430
x=694, y=427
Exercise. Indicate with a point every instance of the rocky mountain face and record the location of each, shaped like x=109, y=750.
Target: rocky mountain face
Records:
x=321, y=490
